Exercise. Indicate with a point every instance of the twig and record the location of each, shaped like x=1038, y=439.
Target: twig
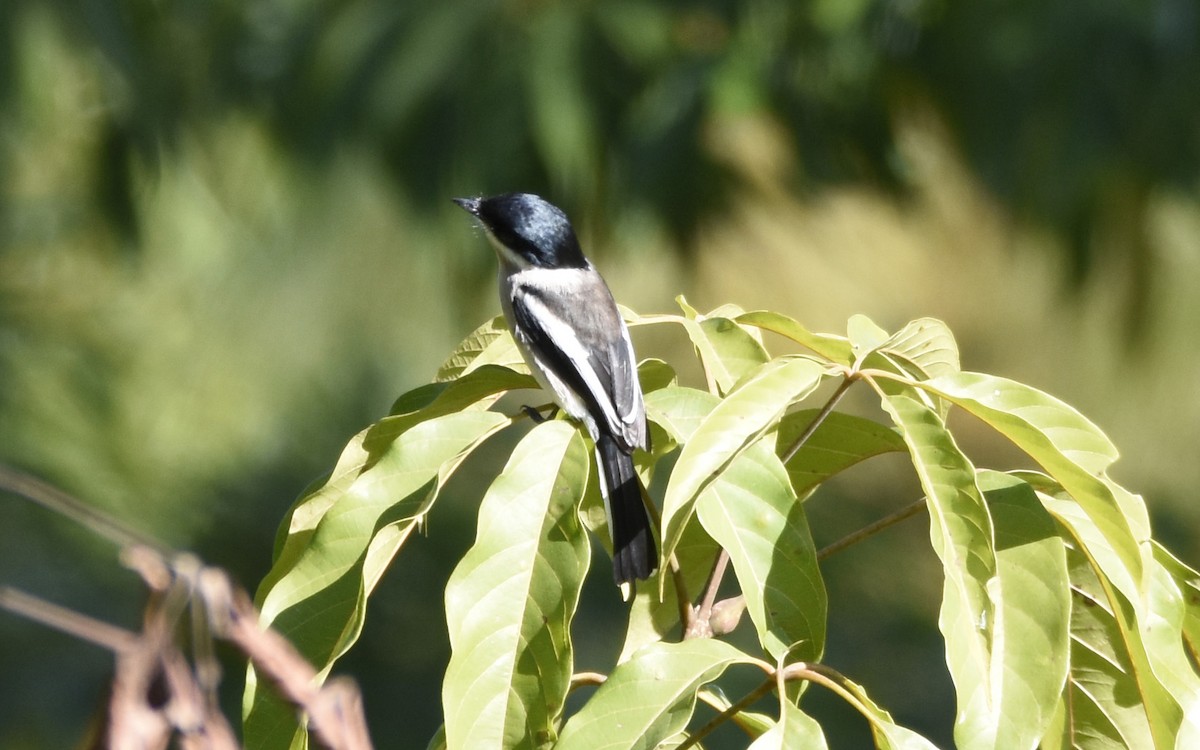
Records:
x=54, y=499
x=700, y=626
x=111, y=637
x=834, y=398
x=741, y=705
x=871, y=529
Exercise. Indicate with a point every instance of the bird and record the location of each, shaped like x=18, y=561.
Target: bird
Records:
x=567, y=327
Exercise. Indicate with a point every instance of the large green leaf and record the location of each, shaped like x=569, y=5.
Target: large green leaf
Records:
x=1005, y=601
x=750, y=410
x=924, y=347
x=649, y=698
x=1176, y=636
x=1113, y=696
x=833, y=348
x=727, y=351
x=1033, y=614
x=752, y=511
x=1072, y=450
x=960, y=528
x=315, y=594
x=839, y=442
x=510, y=600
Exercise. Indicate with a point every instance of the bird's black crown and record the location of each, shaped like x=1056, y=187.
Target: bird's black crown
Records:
x=529, y=226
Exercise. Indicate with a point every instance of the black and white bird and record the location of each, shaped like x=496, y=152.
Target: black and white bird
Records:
x=566, y=324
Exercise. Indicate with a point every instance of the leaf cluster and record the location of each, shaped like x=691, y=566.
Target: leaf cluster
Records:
x=1065, y=625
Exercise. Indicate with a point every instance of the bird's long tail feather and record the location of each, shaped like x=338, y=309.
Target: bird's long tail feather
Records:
x=634, y=553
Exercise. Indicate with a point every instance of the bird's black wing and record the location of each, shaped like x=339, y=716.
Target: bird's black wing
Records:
x=586, y=347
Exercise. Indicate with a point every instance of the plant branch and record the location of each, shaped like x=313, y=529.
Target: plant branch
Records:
x=111, y=637
x=871, y=529
x=834, y=398
x=700, y=627
x=741, y=705
x=53, y=499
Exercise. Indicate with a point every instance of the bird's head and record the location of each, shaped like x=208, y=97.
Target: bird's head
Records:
x=527, y=231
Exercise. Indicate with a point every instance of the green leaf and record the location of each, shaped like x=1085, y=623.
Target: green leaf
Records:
x=926, y=346
x=315, y=594
x=833, y=348
x=1072, y=450
x=839, y=442
x=490, y=344
x=510, y=600
x=733, y=350
x=727, y=351
x=795, y=729
x=1005, y=601
x=1114, y=695
x=887, y=733
x=961, y=532
x=865, y=337
x=680, y=410
x=649, y=698
x=1033, y=614
x=752, y=409
x=752, y=511
x=477, y=389
x=652, y=617
x=1176, y=638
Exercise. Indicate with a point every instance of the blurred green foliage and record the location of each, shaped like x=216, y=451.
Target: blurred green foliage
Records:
x=225, y=241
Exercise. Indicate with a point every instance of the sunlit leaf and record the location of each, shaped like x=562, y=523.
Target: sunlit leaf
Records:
x=734, y=350
x=839, y=442
x=510, y=600
x=887, y=733
x=1032, y=614
x=752, y=512
x=833, y=348
x=925, y=344
x=865, y=336
x=962, y=536
x=1113, y=694
x=1071, y=449
x=316, y=593
x=744, y=415
x=478, y=388
x=795, y=730
x=648, y=698
x=490, y=344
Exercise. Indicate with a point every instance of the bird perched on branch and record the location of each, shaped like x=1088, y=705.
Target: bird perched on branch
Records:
x=566, y=324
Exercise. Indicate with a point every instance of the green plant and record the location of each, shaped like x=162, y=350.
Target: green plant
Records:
x=1065, y=624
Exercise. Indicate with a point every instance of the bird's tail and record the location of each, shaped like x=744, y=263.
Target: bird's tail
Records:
x=634, y=553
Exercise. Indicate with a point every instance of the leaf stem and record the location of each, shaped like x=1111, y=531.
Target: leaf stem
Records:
x=871, y=529
x=834, y=398
x=700, y=627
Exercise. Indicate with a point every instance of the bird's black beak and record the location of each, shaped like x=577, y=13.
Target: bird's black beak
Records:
x=470, y=205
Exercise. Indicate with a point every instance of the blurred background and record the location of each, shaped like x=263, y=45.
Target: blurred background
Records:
x=226, y=245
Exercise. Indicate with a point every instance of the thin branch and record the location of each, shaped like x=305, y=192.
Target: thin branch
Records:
x=745, y=702
x=53, y=499
x=834, y=398
x=111, y=637
x=700, y=627
x=907, y=511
